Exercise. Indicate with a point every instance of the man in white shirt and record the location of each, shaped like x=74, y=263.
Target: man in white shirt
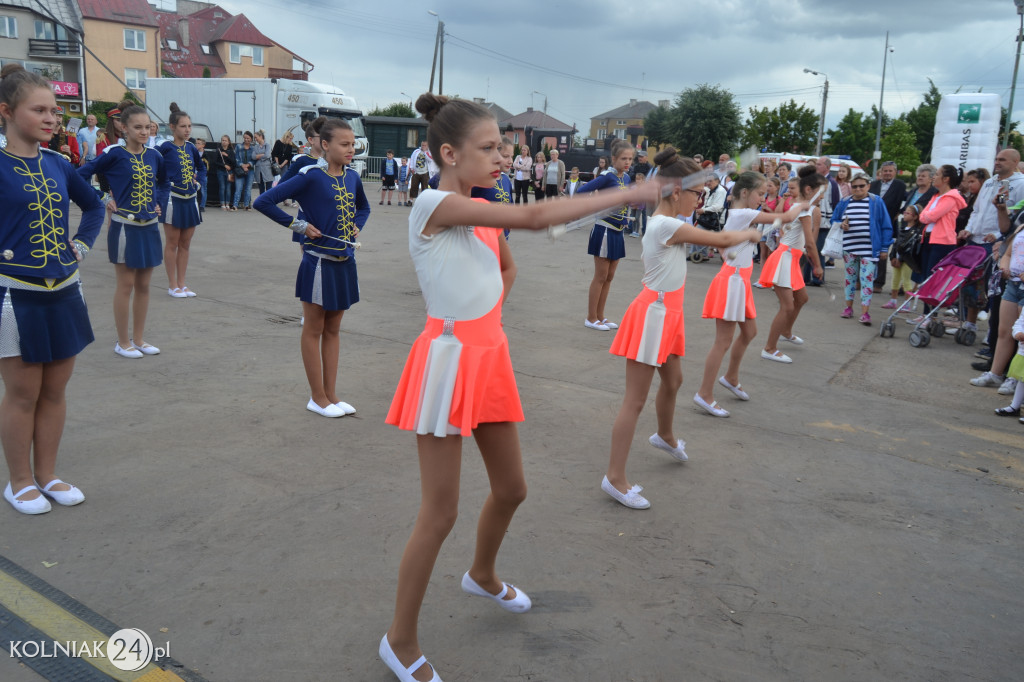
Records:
x=87, y=139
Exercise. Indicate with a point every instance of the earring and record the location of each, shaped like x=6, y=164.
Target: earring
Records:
x=453, y=163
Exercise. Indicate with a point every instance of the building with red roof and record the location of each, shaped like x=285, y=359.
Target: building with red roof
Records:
x=202, y=39
x=124, y=35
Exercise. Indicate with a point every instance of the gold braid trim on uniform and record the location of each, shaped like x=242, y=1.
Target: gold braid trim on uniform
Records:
x=502, y=195
x=188, y=169
x=346, y=205
x=49, y=237
x=142, y=185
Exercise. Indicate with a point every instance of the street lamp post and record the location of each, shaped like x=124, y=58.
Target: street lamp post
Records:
x=538, y=92
x=1016, y=65
x=878, y=133
x=411, y=106
x=824, y=103
x=438, y=45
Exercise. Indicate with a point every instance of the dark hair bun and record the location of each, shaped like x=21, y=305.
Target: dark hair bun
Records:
x=10, y=68
x=174, y=107
x=667, y=156
x=429, y=104
x=806, y=171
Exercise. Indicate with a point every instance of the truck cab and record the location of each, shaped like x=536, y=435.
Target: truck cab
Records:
x=300, y=102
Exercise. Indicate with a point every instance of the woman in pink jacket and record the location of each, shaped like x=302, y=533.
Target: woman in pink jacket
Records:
x=939, y=217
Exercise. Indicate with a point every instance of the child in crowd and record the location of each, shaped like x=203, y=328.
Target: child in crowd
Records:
x=403, y=183
x=1016, y=371
x=638, y=214
x=336, y=209
x=573, y=183
x=388, y=177
x=901, y=272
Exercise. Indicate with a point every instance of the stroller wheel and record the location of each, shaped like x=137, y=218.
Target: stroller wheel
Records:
x=969, y=337
x=959, y=336
x=936, y=328
x=888, y=330
x=919, y=338
x=696, y=257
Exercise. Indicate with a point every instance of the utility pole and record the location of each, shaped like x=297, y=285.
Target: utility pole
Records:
x=878, y=133
x=824, y=103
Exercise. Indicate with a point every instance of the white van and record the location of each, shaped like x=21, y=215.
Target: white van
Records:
x=799, y=160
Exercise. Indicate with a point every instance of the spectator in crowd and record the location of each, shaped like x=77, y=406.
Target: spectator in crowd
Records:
x=939, y=218
x=64, y=142
x=921, y=194
x=155, y=139
x=523, y=167
x=224, y=163
x=901, y=272
x=261, y=156
x=713, y=201
x=423, y=168
x=983, y=224
x=722, y=172
x=894, y=193
x=829, y=200
x=783, y=173
x=204, y=177
x=699, y=158
x=244, y=172
x=843, y=177
x=539, y=166
x=642, y=165
x=87, y=139
x=602, y=166
x=554, y=176
x=283, y=151
x=1011, y=268
x=867, y=234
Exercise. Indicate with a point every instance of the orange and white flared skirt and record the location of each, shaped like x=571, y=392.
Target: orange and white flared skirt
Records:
x=730, y=296
x=458, y=375
x=783, y=269
x=652, y=328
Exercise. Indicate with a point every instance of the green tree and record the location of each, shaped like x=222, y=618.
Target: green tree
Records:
x=854, y=135
x=899, y=145
x=922, y=121
x=791, y=127
x=396, y=110
x=206, y=72
x=656, y=126
x=705, y=120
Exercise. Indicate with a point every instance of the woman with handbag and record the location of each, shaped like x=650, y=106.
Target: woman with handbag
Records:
x=263, y=173
x=523, y=166
x=867, y=234
x=223, y=161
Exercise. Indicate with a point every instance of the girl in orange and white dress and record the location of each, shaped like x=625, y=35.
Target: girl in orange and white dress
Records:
x=458, y=379
x=782, y=271
x=651, y=335
x=730, y=299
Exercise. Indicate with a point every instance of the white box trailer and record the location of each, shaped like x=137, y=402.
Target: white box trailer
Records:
x=230, y=106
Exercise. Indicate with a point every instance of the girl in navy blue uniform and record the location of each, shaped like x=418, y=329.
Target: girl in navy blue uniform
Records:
x=606, y=243
x=44, y=322
x=186, y=172
x=334, y=205
x=138, y=186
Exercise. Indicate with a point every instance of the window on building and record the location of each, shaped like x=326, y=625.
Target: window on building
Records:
x=620, y=133
x=604, y=122
x=173, y=44
x=602, y=133
x=621, y=123
x=206, y=49
x=412, y=138
x=134, y=40
x=8, y=27
x=239, y=51
x=515, y=138
x=135, y=78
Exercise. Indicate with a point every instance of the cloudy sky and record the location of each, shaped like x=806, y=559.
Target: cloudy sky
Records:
x=589, y=56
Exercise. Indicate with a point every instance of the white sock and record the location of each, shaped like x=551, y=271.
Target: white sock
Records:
x=1018, y=396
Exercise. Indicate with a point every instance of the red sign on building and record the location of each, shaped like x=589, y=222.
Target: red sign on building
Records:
x=63, y=89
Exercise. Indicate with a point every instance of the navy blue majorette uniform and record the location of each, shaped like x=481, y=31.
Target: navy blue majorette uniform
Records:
x=138, y=184
x=500, y=193
x=43, y=317
x=335, y=205
x=300, y=161
x=606, y=236
x=186, y=173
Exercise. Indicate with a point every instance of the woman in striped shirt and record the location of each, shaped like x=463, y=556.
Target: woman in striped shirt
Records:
x=867, y=235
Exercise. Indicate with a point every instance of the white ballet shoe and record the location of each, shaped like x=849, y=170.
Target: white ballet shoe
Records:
x=345, y=407
x=711, y=408
x=678, y=452
x=331, y=410
x=401, y=672
x=631, y=498
x=68, y=498
x=40, y=505
x=735, y=390
x=519, y=604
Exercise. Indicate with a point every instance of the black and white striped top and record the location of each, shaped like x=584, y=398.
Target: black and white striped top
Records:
x=857, y=240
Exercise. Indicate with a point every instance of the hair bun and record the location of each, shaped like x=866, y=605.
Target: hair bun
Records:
x=429, y=104
x=10, y=68
x=174, y=107
x=667, y=156
x=806, y=171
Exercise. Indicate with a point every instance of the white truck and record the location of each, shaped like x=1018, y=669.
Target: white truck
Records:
x=230, y=106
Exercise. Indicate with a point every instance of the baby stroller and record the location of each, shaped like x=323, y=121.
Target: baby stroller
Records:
x=944, y=286
x=706, y=221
